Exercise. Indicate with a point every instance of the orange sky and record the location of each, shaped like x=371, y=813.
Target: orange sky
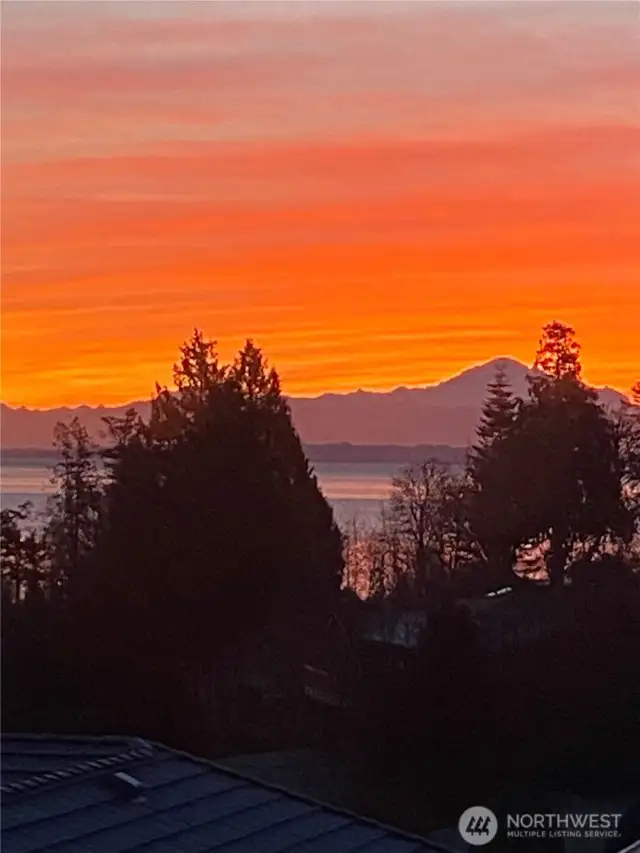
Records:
x=380, y=194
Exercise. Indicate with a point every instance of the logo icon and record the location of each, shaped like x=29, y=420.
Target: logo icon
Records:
x=478, y=826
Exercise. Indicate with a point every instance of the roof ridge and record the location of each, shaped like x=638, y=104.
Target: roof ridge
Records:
x=138, y=752
x=38, y=737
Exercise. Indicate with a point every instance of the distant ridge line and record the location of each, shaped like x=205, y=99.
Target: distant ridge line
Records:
x=431, y=416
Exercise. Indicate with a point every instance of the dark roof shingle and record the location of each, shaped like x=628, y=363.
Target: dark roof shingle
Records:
x=59, y=795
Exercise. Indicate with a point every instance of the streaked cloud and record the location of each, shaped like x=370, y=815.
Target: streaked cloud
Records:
x=382, y=171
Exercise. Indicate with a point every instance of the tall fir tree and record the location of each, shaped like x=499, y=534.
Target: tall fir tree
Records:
x=489, y=514
x=498, y=415
x=76, y=505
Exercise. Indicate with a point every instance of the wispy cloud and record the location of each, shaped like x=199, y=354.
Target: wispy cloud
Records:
x=177, y=158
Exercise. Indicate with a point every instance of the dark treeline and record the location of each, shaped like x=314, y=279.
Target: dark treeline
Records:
x=204, y=536
x=527, y=565
x=191, y=576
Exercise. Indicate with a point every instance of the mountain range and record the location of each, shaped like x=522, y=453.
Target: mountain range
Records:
x=446, y=413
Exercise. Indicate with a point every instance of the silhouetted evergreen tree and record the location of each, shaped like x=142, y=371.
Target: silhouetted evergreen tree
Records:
x=75, y=508
x=23, y=554
x=491, y=514
x=216, y=526
x=575, y=451
x=498, y=414
x=557, y=476
x=572, y=468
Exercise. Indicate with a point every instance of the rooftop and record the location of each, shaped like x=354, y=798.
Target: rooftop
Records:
x=68, y=794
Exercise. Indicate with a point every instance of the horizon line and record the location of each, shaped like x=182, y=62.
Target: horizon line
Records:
x=328, y=393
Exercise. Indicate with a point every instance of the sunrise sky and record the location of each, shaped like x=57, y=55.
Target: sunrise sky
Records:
x=380, y=194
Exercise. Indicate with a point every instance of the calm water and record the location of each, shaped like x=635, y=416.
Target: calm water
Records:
x=354, y=490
